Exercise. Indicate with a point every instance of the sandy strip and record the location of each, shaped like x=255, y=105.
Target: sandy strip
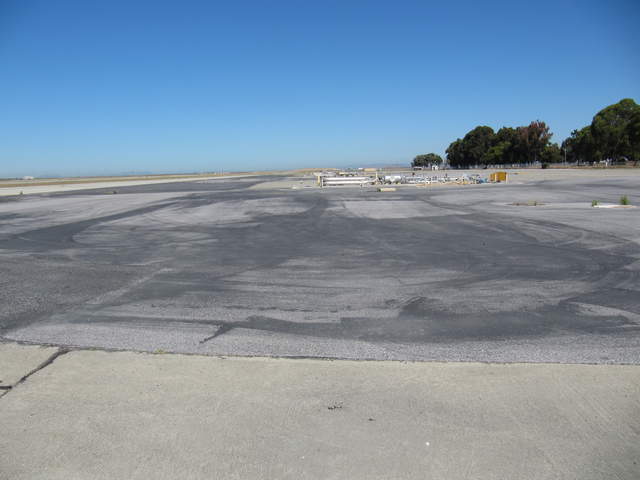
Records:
x=62, y=187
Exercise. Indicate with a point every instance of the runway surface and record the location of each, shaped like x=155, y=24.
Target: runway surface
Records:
x=526, y=271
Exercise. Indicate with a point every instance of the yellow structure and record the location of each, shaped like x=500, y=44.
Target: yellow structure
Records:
x=498, y=177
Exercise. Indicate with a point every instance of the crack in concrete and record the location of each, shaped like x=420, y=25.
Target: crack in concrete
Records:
x=7, y=388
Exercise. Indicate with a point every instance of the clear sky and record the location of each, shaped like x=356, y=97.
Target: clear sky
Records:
x=118, y=86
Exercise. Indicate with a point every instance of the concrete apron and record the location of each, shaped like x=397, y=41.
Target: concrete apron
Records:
x=95, y=414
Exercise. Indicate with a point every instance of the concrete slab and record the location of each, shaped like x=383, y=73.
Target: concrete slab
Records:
x=16, y=361
x=106, y=415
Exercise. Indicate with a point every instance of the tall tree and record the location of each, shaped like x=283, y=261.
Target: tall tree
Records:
x=551, y=154
x=497, y=154
x=476, y=144
x=455, y=153
x=633, y=131
x=580, y=146
x=534, y=138
x=612, y=129
x=505, y=147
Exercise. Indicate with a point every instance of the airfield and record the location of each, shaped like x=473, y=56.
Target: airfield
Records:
x=526, y=271
x=155, y=329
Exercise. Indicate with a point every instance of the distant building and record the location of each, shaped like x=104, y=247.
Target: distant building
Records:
x=431, y=166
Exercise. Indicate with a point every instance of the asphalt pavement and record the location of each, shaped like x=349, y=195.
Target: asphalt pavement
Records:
x=520, y=272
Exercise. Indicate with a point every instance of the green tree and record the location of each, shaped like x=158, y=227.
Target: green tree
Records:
x=551, y=154
x=476, y=144
x=633, y=130
x=614, y=130
x=455, y=153
x=511, y=140
x=498, y=154
x=504, y=149
x=580, y=146
x=426, y=160
x=534, y=138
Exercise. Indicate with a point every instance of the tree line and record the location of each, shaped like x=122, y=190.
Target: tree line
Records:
x=614, y=134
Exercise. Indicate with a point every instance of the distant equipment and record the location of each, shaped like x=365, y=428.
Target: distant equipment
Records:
x=373, y=177
x=334, y=181
x=498, y=177
x=393, y=178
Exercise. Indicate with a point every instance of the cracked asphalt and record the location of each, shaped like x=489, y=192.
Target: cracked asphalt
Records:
x=236, y=267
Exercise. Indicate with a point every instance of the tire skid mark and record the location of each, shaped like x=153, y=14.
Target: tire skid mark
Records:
x=115, y=294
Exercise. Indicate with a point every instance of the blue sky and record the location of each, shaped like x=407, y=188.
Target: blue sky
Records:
x=151, y=86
